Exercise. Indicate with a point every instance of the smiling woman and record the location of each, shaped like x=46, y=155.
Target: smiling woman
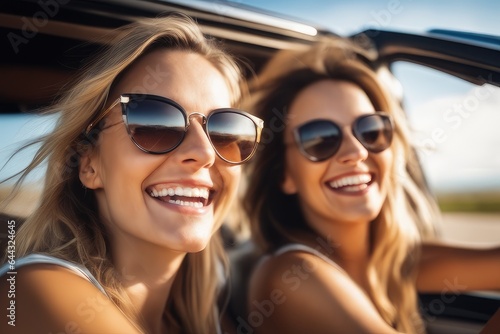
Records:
x=137, y=184
x=339, y=170
x=345, y=188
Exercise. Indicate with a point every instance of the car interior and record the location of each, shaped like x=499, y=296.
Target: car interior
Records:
x=46, y=42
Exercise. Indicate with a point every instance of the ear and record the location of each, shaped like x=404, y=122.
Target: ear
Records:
x=88, y=171
x=288, y=185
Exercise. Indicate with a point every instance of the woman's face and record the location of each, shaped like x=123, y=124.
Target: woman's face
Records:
x=349, y=186
x=125, y=178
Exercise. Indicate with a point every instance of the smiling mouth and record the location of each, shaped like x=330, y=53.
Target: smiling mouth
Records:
x=183, y=196
x=352, y=183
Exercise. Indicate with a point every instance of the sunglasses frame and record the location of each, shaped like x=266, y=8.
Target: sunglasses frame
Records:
x=126, y=98
x=298, y=141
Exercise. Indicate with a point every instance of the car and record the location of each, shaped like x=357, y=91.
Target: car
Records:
x=45, y=42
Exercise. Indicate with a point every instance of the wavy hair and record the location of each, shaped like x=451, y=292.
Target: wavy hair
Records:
x=66, y=223
x=408, y=211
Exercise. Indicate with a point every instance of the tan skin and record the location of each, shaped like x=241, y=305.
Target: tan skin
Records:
x=305, y=294
x=149, y=239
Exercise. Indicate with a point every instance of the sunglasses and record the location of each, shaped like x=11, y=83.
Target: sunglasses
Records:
x=158, y=125
x=320, y=139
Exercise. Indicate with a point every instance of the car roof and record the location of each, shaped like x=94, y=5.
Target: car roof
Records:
x=47, y=42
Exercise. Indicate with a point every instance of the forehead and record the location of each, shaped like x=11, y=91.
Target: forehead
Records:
x=340, y=101
x=186, y=77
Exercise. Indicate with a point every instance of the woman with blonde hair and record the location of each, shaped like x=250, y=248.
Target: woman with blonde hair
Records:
x=142, y=167
x=339, y=206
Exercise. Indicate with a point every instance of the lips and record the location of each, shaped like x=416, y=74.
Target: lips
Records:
x=196, y=197
x=351, y=183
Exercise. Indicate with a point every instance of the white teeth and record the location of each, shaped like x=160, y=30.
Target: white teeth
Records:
x=187, y=203
x=180, y=191
x=355, y=188
x=354, y=180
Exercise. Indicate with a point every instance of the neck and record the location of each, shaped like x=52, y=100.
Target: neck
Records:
x=349, y=246
x=354, y=253
x=353, y=244
x=148, y=273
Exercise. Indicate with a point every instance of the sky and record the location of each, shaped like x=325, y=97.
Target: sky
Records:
x=456, y=161
x=346, y=17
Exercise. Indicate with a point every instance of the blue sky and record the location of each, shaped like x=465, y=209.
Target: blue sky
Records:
x=346, y=17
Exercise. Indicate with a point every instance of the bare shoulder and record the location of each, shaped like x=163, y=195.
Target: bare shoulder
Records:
x=293, y=274
x=47, y=298
x=289, y=270
x=298, y=292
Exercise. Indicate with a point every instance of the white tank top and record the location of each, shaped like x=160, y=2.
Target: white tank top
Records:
x=47, y=259
x=74, y=267
x=307, y=249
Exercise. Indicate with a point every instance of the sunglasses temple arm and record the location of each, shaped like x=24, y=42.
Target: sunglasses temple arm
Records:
x=259, y=123
x=101, y=116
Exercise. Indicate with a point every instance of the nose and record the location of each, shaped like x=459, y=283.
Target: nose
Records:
x=351, y=151
x=196, y=148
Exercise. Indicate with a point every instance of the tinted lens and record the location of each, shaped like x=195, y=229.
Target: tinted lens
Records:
x=233, y=135
x=374, y=132
x=155, y=126
x=319, y=139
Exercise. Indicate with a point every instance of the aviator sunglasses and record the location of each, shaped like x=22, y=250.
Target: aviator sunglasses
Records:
x=158, y=125
x=320, y=139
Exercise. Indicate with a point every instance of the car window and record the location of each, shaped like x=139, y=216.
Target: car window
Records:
x=17, y=130
x=454, y=126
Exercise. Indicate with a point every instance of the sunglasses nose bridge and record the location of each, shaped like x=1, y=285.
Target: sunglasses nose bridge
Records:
x=199, y=115
x=203, y=120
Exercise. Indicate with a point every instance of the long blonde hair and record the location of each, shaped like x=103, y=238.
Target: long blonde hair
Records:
x=66, y=222
x=408, y=212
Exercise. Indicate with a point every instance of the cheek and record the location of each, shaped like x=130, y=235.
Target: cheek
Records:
x=231, y=179
x=228, y=179
x=301, y=175
x=123, y=169
x=385, y=162
x=125, y=160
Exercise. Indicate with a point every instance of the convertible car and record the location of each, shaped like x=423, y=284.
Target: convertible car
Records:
x=44, y=42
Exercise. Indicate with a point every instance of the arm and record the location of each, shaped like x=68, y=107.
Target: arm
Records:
x=300, y=293
x=451, y=268
x=52, y=299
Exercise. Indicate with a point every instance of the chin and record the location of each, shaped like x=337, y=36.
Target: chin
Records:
x=195, y=248
x=195, y=245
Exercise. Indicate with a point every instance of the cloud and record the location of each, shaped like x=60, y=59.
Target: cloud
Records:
x=458, y=138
